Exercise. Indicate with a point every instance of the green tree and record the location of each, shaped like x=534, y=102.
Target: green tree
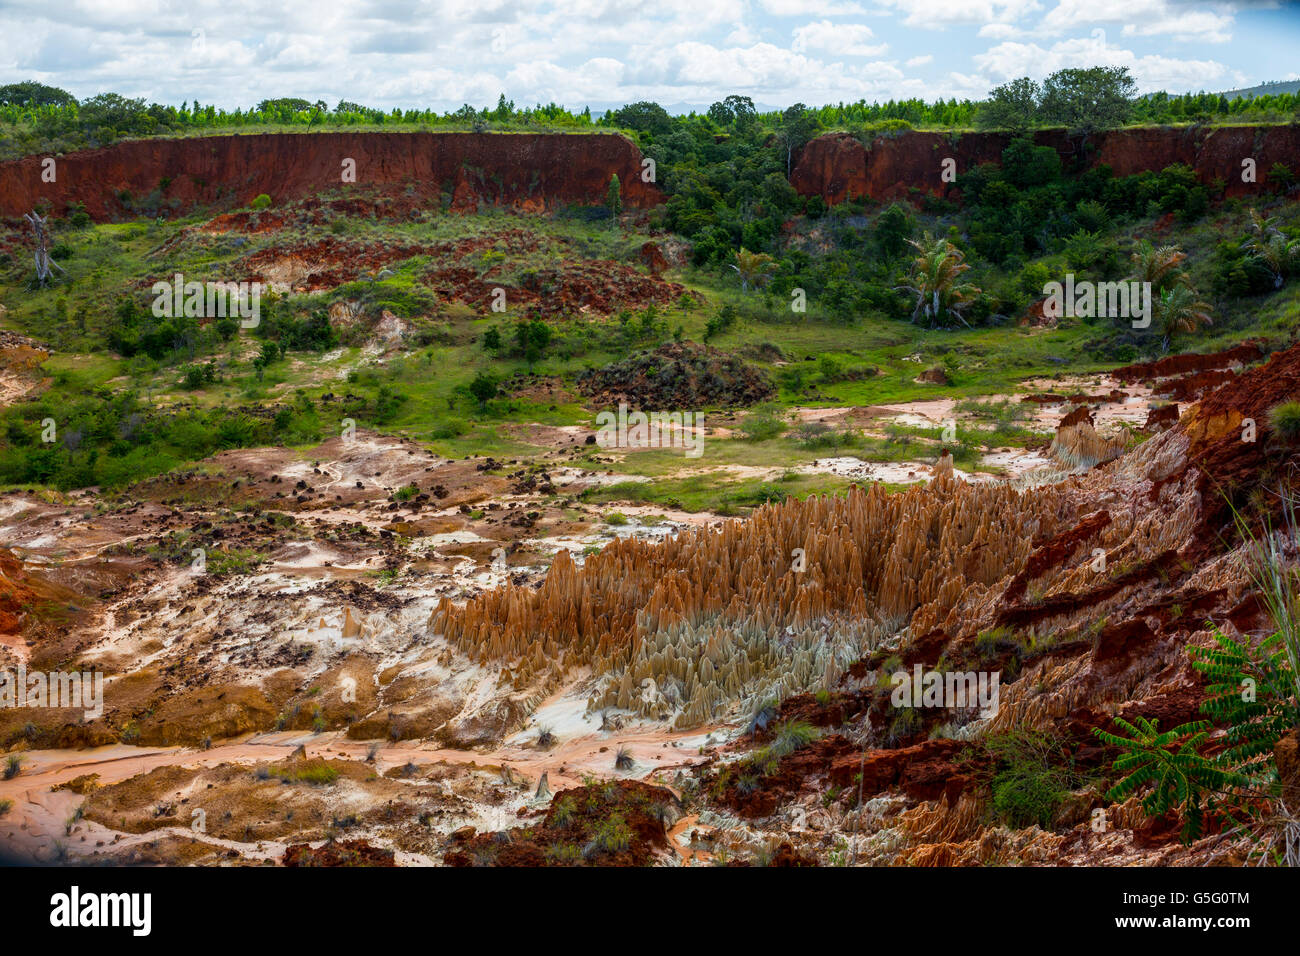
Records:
x=644, y=117
x=736, y=111
x=893, y=230
x=1273, y=249
x=531, y=339
x=1087, y=100
x=1012, y=106
x=30, y=94
x=614, y=196
x=934, y=279
x=285, y=104
x=483, y=388
x=754, y=268
x=1162, y=266
x=796, y=127
x=1180, y=310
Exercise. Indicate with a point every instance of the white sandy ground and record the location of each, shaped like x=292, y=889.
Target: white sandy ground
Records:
x=39, y=815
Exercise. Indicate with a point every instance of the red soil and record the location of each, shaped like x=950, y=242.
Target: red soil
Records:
x=345, y=853
x=526, y=171
x=1189, y=362
x=596, y=285
x=15, y=595
x=839, y=167
x=575, y=822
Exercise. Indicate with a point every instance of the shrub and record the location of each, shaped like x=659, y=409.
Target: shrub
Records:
x=612, y=835
x=448, y=428
x=483, y=388
x=792, y=735
x=762, y=424
x=316, y=772
x=1285, y=419
x=722, y=322
x=1035, y=775
x=763, y=714
x=562, y=812
x=563, y=854
x=1180, y=776
x=623, y=759
x=261, y=201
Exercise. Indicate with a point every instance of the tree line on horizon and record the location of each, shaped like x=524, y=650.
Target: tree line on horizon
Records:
x=35, y=117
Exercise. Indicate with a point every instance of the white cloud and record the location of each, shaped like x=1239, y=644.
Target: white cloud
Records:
x=1151, y=72
x=1000, y=31
x=836, y=39
x=442, y=53
x=940, y=14
x=1210, y=23
x=810, y=8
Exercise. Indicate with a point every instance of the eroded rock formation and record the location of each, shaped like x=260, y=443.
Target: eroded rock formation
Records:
x=1116, y=568
x=839, y=166
x=527, y=171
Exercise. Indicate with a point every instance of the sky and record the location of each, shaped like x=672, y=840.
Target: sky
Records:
x=605, y=53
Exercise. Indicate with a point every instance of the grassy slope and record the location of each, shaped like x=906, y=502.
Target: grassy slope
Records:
x=107, y=260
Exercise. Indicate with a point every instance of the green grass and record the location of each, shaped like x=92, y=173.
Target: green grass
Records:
x=826, y=360
x=706, y=493
x=315, y=772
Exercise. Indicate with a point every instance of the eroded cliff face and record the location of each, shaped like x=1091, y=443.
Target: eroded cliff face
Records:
x=839, y=166
x=527, y=171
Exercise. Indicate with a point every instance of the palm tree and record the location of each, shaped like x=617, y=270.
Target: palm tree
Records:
x=1161, y=266
x=1272, y=248
x=933, y=279
x=752, y=267
x=1179, y=310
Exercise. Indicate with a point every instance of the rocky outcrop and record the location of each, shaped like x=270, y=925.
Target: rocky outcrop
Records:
x=527, y=171
x=677, y=376
x=839, y=166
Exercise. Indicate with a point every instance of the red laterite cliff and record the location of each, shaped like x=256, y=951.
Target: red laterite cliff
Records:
x=527, y=171
x=839, y=166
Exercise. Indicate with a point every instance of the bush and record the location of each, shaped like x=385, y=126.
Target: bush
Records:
x=1035, y=775
x=792, y=735
x=316, y=772
x=483, y=388
x=448, y=428
x=762, y=424
x=612, y=835
x=722, y=322
x=261, y=201
x=1285, y=419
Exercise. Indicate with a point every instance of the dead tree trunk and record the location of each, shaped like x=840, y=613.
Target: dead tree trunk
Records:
x=43, y=261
